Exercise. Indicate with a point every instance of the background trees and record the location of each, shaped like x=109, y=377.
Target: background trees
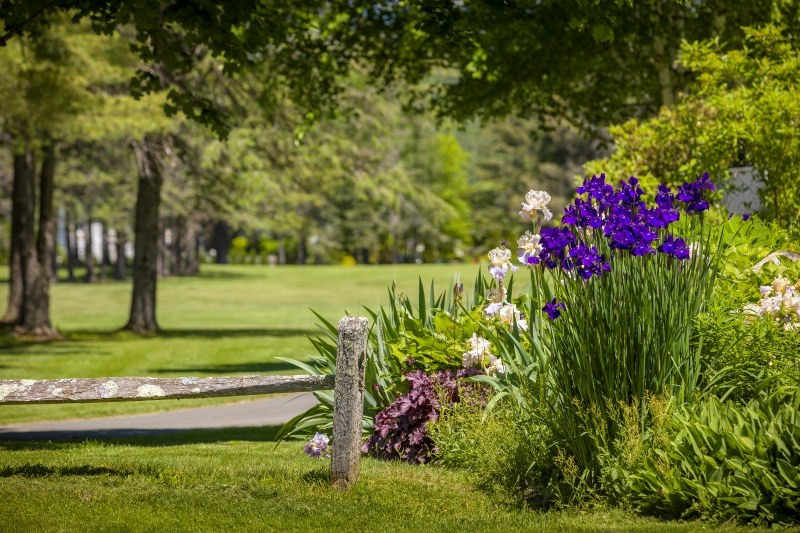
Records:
x=320, y=143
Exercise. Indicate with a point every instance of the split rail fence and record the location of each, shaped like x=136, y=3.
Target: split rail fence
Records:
x=347, y=384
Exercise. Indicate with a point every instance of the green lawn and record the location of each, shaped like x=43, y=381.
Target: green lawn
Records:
x=236, y=480
x=229, y=320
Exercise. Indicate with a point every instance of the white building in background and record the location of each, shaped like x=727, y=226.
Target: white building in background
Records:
x=80, y=243
x=741, y=196
x=97, y=241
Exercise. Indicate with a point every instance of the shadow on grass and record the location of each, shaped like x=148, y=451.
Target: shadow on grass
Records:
x=254, y=367
x=227, y=274
x=244, y=332
x=56, y=440
x=52, y=347
x=68, y=345
x=220, y=333
x=319, y=476
x=39, y=470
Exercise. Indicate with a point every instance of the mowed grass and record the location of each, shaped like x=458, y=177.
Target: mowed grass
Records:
x=237, y=480
x=230, y=320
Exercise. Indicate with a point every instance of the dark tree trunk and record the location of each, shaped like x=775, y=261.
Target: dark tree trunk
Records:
x=105, y=259
x=185, y=249
x=161, y=261
x=145, y=275
x=13, y=312
x=14, y=308
x=119, y=271
x=222, y=241
x=89, y=254
x=72, y=251
x=34, y=251
x=45, y=242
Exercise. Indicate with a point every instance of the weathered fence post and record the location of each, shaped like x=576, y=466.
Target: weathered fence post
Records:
x=348, y=403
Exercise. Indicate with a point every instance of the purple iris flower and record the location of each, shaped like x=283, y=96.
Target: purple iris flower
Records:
x=674, y=247
x=553, y=308
x=664, y=198
x=694, y=194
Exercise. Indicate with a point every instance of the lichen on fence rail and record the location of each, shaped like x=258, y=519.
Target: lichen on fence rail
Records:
x=85, y=390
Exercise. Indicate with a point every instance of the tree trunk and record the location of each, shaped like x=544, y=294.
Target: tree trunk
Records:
x=105, y=259
x=222, y=241
x=145, y=274
x=14, y=308
x=13, y=312
x=161, y=260
x=89, y=254
x=35, y=319
x=72, y=251
x=119, y=271
x=185, y=249
x=45, y=248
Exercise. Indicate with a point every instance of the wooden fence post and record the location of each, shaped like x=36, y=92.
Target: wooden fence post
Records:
x=348, y=403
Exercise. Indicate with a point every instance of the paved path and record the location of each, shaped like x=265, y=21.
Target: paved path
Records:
x=271, y=411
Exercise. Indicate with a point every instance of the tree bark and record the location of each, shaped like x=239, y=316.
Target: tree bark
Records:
x=35, y=318
x=89, y=254
x=185, y=249
x=145, y=275
x=72, y=251
x=222, y=241
x=37, y=314
x=105, y=259
x=161, y=262
x=13, y=312
x=119, y=271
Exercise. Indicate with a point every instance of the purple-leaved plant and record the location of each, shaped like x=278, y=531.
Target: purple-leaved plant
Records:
x=400, y=430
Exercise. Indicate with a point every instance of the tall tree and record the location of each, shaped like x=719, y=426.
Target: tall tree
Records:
x=39, y=89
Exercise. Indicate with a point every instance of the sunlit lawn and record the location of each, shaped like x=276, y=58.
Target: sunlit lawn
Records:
x=229, y=320
x=236, y=480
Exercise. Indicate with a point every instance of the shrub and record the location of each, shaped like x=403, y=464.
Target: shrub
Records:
x=400, y=430
x=502, y=455
x=746, y=355
x=716, y=460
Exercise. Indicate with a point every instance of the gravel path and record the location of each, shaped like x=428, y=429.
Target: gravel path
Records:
x=271, y=411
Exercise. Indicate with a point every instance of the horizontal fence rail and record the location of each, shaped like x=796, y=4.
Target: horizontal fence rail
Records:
x=347, y=383
x=86, y=390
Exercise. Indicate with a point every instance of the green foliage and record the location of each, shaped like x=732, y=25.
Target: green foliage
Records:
x=509, y=157
x=744, y=354
x=742, y=109
x=374, y=184
x=501, y=455
x=625, y=334
x=716, y=460
x=597, y=62
x=395, y=327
